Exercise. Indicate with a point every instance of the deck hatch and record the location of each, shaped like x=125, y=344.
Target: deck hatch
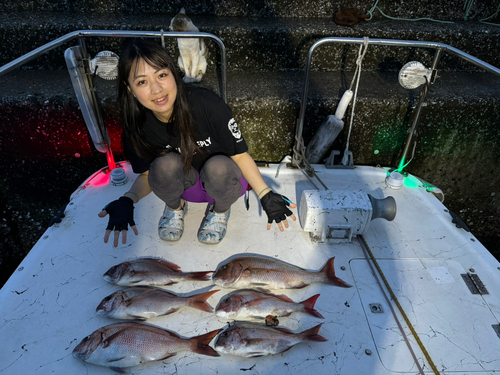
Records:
x=474, y=283
x=437, y=304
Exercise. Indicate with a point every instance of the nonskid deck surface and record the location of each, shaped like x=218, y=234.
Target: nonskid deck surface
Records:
x=48, y=305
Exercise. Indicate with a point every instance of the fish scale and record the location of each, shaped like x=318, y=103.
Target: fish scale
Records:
x=255, y=340
x=256, y=305
x=251, y=271
x=150, y=272
x=144, y=302
x=123, y=345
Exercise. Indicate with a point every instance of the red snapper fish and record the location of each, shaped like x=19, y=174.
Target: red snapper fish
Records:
x=150, y=272
x=122, y=345
x=255, y=340
x=143, y=303
x=252, y=305
x=262, y=272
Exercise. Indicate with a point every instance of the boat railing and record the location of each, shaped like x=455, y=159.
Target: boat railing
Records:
x=298, y=155
x=81, y=34
x=83, y=84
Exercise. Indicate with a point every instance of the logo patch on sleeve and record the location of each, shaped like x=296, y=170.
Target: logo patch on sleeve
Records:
x=233, y=127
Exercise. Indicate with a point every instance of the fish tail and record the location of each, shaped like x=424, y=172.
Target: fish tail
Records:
x=312, y=334
x=199, y=344
x=309, y=306
x=329, y=271
x=199, y=301
x=199, y=275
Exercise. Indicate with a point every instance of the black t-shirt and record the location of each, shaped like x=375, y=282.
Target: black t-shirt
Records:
x=216, y=131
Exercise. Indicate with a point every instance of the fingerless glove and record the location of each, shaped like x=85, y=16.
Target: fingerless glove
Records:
x=121, y=214
x=276, y=207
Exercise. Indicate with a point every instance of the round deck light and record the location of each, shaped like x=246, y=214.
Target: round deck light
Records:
x=394, y=180
x=413, y=75
x=118, y=177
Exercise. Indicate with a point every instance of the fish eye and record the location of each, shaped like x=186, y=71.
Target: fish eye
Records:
x=225, y=334
x=227, y=300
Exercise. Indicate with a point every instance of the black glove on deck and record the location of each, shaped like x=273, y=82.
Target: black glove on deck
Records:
x=276, y=206
x=121, y=213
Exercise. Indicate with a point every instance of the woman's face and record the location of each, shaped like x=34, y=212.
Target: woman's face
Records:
x=154, y=89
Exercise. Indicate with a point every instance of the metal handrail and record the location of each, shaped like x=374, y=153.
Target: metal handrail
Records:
x=380, y=42
x=121, y=34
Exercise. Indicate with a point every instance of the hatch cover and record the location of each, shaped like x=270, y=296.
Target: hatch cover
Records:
x=453, y=324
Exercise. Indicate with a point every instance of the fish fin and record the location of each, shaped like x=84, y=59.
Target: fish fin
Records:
x=286, y=349
x=172, y=266
x=312, y=334
x=110, y=339
x=115, y=359
x=329, y=271
x=284, y=330
x=285, y=298
x=138, y=317
x=301, y=286
x=262, y=290
x=199, y=344
x=258, y=284
x=167, y=356
x=256, y=318
x=203, y=276
x=170, y=312
x=255, y=354
x=256, y=343
x=119, y=370
x=199, y=301
x=163, y=291
x=309, y=306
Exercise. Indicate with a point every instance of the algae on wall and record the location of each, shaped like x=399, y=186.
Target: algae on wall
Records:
x=267, y=126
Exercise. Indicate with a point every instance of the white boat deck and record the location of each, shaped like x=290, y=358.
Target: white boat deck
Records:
x=48, y=305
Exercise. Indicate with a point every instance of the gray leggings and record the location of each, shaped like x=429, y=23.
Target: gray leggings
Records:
x=220, y=176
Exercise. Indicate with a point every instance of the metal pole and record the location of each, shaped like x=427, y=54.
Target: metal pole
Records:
x=381, y=42
x=95, y=103
x=412, y=131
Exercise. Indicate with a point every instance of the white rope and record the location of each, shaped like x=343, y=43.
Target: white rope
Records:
x=357, y=74
x=162, y=39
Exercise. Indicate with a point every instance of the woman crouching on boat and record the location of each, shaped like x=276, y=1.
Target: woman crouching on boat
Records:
x=186, y=147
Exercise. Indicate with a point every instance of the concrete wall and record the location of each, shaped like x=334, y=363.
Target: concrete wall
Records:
x=46, y=151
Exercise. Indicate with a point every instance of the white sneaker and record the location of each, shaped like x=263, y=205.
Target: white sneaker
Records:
x=214, y=226
x=171, y=224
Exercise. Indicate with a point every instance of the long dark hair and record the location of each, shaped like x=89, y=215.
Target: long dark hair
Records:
x=134, y=113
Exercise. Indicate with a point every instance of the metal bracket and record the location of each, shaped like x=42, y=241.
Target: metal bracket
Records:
x=339, y=232
x=455, y=219
x=474, y=283
x=334, y=160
